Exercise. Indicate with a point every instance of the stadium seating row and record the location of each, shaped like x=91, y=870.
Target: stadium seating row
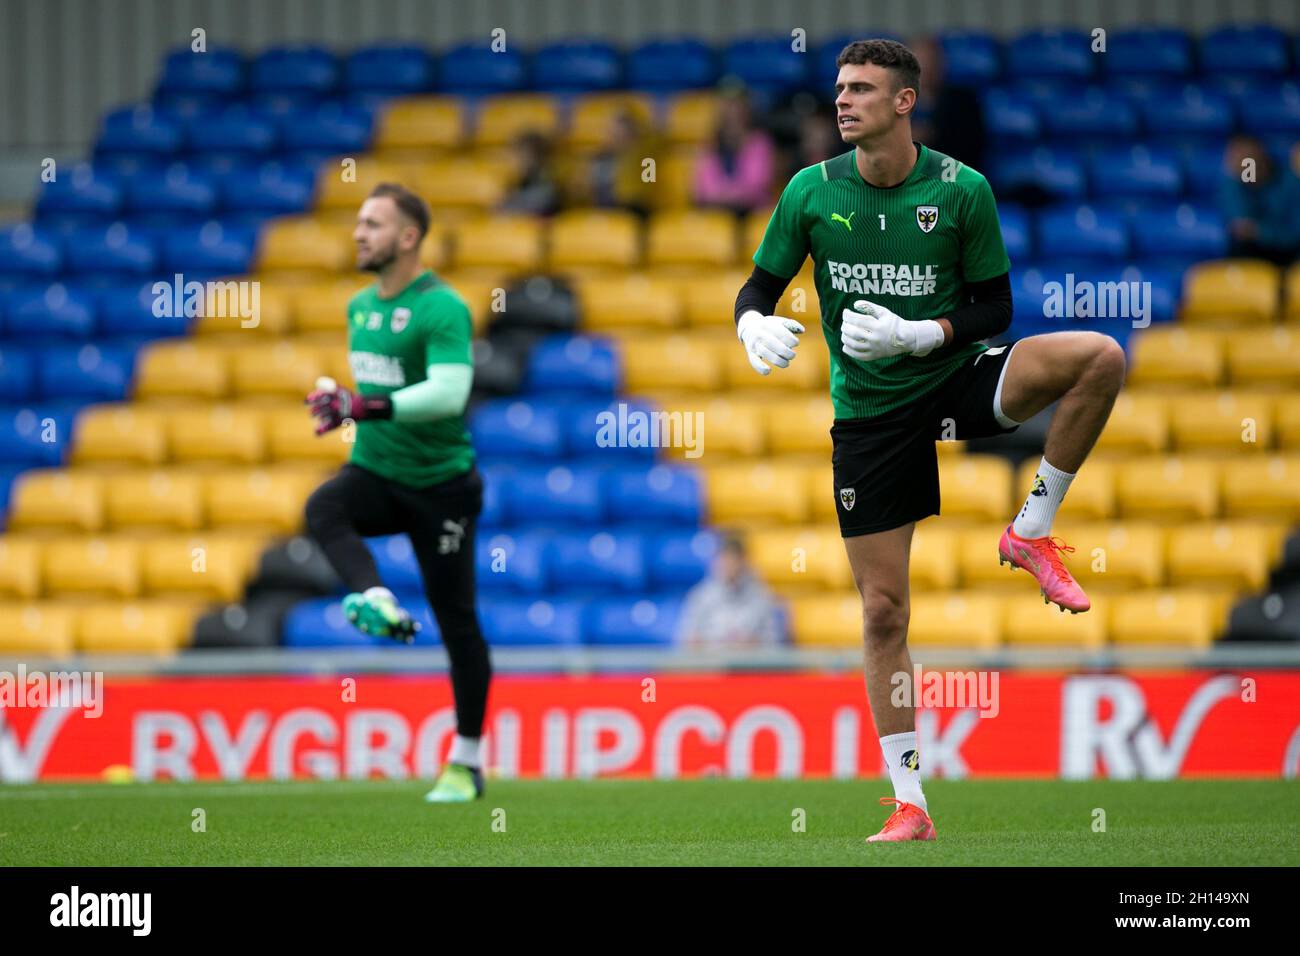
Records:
x=60, y=628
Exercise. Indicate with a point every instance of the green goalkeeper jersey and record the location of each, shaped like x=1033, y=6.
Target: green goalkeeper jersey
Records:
x=391, y=344
x=909, y=247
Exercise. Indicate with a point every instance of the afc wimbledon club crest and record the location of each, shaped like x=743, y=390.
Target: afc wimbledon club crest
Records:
x=400, y=317
x=927, y=217
x=847, y=498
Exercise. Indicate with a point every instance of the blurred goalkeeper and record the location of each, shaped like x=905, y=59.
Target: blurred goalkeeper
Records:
x=911, y=275
x=412, y=465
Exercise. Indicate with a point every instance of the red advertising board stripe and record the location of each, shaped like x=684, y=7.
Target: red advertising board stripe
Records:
x=1022, y=724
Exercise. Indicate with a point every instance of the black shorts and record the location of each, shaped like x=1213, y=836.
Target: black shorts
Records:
x=887, y=468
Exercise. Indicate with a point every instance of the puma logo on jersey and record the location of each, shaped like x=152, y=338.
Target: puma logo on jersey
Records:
x=836, y=217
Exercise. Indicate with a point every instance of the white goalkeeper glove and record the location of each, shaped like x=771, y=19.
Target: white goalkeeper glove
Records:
x=768, y=338
x=869, y=331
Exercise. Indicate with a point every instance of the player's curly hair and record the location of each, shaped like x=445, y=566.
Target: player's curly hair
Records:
x=890, y=54
x=411, y=205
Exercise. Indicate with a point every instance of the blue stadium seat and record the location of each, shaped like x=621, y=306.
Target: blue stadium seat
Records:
x=24, y=431
x=320, y=623
x=1183, y=230
x=679, y=559
x=273, y=187
x=1011, y=115
x=1193, y=110
x=1016, y=233
x=1082, y=231
x=513, y=562
x=767, y=65
x=212, y=248
x=48, y=312
x=1136, y=171
x=577, y=65
x=672, y=64
x=516, y=428
x=594, y=563
x=93, y=372
x=1148, y=51
x=218, y=72
x=496, y=512
x=81, y=189
x=1202, y=165
x=391, y=69
x=18, y=373
x=295, y=69
x=573, y=365
x=659, y=495
x=142, y=131
x=236, y=130
x=1166, y=288
x=635, y=621
x=396, y=564
x=1055, y=171
x=474, y=68
x=285, y=107
x=1244, y=49
x=593, y=429
x=560, y=494
x=27, y=253
x=531, y=622
x=178, y=189
x=127, y=309
x=1269, y=107
x=1057, y=53
x=1093, y=113
x=116, y=249
x=970, y=58
x=329, y=129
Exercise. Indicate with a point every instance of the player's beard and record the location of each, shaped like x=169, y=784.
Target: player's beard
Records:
x=380, y=259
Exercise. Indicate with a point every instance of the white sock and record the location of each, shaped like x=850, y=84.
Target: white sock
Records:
x=1035, y=518
x=904, y=763
x=465, y=750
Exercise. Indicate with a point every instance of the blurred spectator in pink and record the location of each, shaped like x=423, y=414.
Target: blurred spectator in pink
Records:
x=737, y=170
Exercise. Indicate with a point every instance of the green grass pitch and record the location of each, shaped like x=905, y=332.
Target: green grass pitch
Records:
x=627, y=823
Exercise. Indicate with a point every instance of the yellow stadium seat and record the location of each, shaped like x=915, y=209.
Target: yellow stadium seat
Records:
x=730, y=427
x=701, y=238
x=975, y=486
x=1222, y=421
x=933, y=564
x=1027, y=622
x=1176, y=356
x=1287, y=408
x=1114, y=555
x=125, y=434
x=302, y=243
x=1235, y=554
x=182, y=370
x=1167, y=488
x=800, y=425
x=344, y=186
x=262, y=499
x=462, y=183
x=973, y=555
x=291, y=436
x=1265, y=357
x=595, y=237
x=819, y=485
x=592, y=116
x=747, y=492
x=624, y=302
x=45, y=629
x=675, y=180
x=692, y=118
x=217, y=433
x=245, y=307
x=955, y=619
x=709, y=301
x=433, y=251
x=285, y=368
x=1091, y=494
x=170, y=498
x=56, y=498
x=802, y=558
x=753, y=229
x=652, y=362
x=208, y=564
x=1291, y=307
x=499, y=242
x=827, y=620
x=1138, y=424
x=324, y=307
x=20, y=567
x=421, y=122
x=1179, y=617
x=1267, y=486
x=91, y=565
x=809, y=371
x=503, y=120
x=134, y=627
x=1236, y=291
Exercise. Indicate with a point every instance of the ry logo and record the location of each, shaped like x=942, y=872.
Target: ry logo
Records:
x=848, y=497
x=927, y=217
x=836, y=217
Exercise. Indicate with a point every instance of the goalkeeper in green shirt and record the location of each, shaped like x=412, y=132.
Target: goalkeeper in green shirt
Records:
x=911, y=274
x=412, y=466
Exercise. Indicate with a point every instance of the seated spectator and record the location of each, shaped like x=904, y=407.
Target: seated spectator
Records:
x=736, y=171
x=819, y=140
x=1260, y=214
x=537, y=189
x=947, y=118
x=731, y=608
x=615, y=178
